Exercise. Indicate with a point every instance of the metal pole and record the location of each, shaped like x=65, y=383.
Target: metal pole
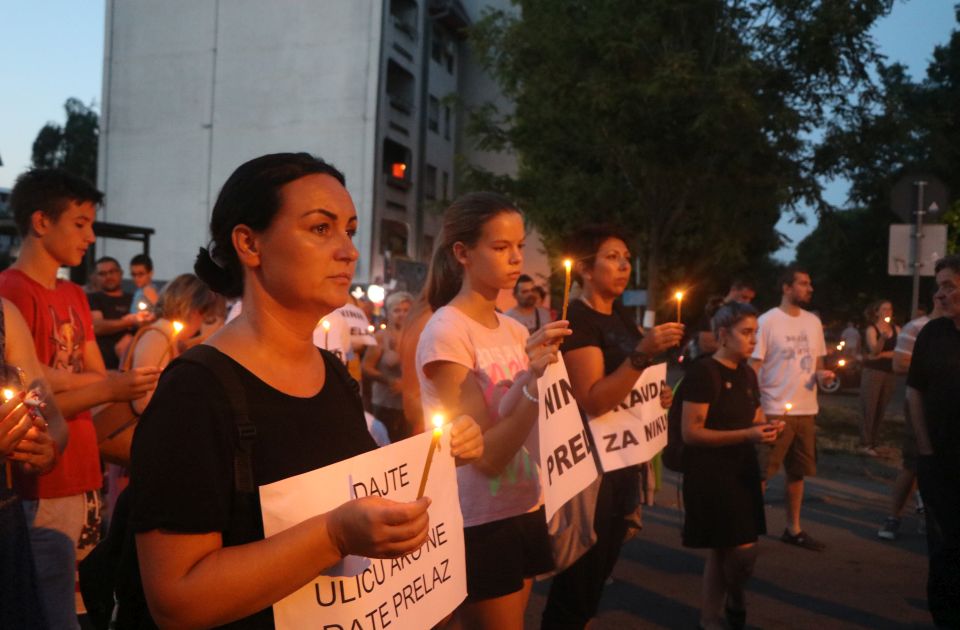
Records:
x=917, y=235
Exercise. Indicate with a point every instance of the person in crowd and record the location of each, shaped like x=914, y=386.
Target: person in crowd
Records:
x=527, y=312
x=473, y=360
x=146, y=296
x=605, y=355
x=933, y=396
x=907, y=477
x=851, y=340
x=741, y=291
x=25, y=443
x=282, y=236
x=381, y=365
x=413, y=326
x=541, y=297
x=877, y=380
x=722, y=495
x=788, y=359
x=54, y=213
x=113, y=321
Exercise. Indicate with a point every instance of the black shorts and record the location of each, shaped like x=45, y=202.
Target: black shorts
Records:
x=501, y=554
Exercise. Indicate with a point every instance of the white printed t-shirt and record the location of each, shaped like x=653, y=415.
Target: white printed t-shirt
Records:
x=789, y=348
x=495, y=356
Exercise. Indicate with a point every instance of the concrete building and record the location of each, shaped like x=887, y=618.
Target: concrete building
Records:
x=193, y=88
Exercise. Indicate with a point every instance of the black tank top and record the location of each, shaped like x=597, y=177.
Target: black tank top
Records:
x=884, y=365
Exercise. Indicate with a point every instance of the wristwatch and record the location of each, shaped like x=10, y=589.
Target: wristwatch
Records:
x=640, y=360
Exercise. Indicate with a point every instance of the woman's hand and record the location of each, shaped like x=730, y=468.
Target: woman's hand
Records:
x=374, y=527
x=660, y=338
x=666, y=396
x=15, y=424
x=466, y=439
x=543, y=346
x=35, y=452
x=763, y=433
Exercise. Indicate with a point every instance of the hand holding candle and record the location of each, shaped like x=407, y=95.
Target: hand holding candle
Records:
x=466, y=439
x=434, y=445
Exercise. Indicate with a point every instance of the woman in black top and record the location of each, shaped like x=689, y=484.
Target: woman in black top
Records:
x=722, y=496
x=877, y=380
x=282, y=232
x=605, y=356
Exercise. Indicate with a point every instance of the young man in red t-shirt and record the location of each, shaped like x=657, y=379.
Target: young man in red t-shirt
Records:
x=54, y=212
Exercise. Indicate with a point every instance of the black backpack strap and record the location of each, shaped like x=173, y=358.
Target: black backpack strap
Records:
x=340, y=370
x=222, y=366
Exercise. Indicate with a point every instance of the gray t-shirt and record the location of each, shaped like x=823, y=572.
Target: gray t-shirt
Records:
x=532, y=322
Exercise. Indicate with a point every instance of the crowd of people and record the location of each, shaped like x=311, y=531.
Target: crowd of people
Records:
x=136, y=413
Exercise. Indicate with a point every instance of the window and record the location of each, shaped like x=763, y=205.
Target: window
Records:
x=400, y=87
x=436, y=43
x=396, y=163
x=430, y=182
x=393, y=237
x=433, y=114
x=446, y=122
x=404, y=14
x=445, y=186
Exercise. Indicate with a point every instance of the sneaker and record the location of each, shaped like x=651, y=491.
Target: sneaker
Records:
x=891, y=526
x=802, y=540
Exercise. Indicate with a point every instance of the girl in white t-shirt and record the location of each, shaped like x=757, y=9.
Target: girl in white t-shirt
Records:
x=475, y=361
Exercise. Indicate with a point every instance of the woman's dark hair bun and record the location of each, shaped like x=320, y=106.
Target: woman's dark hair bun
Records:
x=220, y=280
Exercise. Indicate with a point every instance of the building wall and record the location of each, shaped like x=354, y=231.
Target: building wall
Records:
x=193, y=88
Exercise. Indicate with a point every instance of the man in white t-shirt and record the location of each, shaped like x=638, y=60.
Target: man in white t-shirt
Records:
x=788, y=359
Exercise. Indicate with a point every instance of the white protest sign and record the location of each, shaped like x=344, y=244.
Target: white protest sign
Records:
x=566, y=461
x=636, y=429
x=411, y=592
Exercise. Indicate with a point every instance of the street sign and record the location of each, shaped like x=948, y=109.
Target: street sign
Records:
x=933, y=247
x=903, y=197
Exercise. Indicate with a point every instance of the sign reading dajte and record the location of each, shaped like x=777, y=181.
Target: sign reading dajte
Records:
x=411, y=592
x=566, y=461
x=636, y=430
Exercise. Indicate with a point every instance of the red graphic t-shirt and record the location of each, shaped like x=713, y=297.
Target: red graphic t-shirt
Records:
x=61, y=324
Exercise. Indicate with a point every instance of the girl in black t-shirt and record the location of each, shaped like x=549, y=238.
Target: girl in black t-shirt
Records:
x=282, y=231
x=722, y=420
x=604, y=356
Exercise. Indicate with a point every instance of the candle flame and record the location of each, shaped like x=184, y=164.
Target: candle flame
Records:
x=370, y=328
x=567, y=264
x=325, y=324
x=886, y=319
x=437, y=423
x=142, y=306
x=383, y=326
x=177, y=327
x=678, y=295
x=842, y=362
x=7, y=393
x=789, y=406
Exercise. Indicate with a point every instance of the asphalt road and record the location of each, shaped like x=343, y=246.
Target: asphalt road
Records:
x=858, y=582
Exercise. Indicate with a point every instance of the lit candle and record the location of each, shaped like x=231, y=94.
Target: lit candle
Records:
x=886, y=319
x=383, y=326
x=679, y=296
x=434, y=445
x=568, y=267
x=7, y=393
x=786, y=408
x=326, y=334
x=142, y=306
x=177, y=327
x=370, y=329
x=841, y=362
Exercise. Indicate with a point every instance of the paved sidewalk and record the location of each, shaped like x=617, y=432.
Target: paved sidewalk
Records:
x=858, y=582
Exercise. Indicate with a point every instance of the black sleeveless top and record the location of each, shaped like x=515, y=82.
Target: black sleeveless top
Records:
x=884, y=365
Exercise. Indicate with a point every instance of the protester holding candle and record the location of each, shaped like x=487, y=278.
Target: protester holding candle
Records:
x=877, y=380
x=281, y=230
x=722, y=495
x=471, y=359
x=605, y=355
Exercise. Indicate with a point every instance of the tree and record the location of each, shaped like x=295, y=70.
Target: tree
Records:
x=686, y=121
x=72, y=147
x=913, y=127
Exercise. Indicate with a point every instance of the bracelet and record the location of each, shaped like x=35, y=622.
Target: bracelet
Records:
x=528, y=395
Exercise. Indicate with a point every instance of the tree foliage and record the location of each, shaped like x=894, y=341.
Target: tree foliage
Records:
x=914, y=127
x=686, y=121
x=72, y=146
